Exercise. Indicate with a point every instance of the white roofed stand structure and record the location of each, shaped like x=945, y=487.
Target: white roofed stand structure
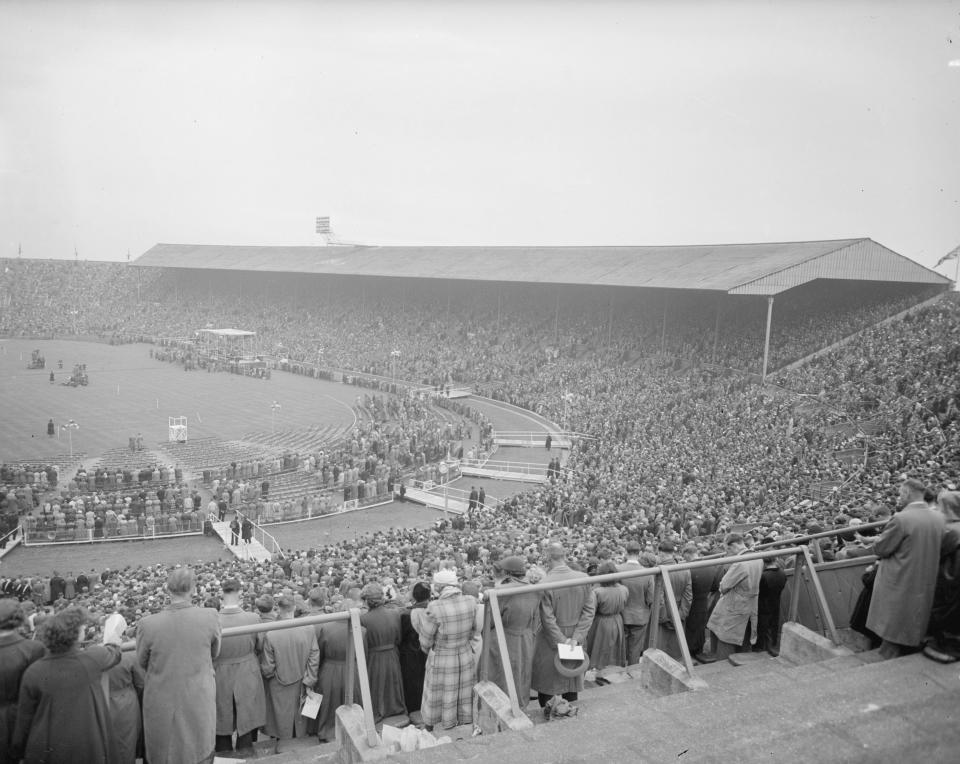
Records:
x=730, y=280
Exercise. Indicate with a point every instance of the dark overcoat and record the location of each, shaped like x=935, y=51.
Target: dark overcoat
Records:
x=909, y=552
x=62, y=715
x=564, y=613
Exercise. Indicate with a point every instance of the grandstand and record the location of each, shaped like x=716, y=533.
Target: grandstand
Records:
x=639, y=351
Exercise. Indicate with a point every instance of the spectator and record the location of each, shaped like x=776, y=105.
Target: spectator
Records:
x=520, y=616
x=450, y=672
x=565, y=616
x=383, y=658
x=701, y=581
x=636, y=611
x=289, y=662
x=413, y=661
x=606, y=645
x=772, y=583
x=125, y=688
x=333, y=643
x=62, y=715
x=734, y=618
x=944, y=628
x=909, y=552
x=241, y=705
x=176, y=649
x=682, y=587
x=16, y=654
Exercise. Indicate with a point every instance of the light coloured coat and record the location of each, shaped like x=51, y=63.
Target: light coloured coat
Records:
x=737, y=606
x=176, y=648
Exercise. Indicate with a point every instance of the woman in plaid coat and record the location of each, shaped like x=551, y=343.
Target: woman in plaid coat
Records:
x=451, y=669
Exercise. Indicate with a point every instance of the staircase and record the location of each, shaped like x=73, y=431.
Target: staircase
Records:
x=253, y=550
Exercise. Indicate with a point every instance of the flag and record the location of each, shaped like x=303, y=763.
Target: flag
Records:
x=951, y=255
x=323, y=225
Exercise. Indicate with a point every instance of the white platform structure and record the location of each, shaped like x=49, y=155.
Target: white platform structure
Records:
x=254, y=550
x=435, y=498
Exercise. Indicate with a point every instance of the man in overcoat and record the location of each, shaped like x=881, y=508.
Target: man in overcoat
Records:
x=290, y=661
x=909, y=552
x=241, y=705
x=565, y=616
x=636, y=613
x=176, y=648
x=734, y=619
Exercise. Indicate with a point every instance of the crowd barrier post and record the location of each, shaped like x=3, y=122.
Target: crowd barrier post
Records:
x=671, y=599
x=484, y=672
x=505, y=664
x=373, y=740
x=821, y=597
x=653, y=630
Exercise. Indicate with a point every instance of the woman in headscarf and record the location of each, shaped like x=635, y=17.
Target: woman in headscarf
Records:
x=451, y=668
x=605, y=640
x=16, y=654
x=62, y=714
x=125, y=685
x=383, y=656
x=520, y=615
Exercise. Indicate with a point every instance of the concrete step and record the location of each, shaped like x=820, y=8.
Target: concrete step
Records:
x=295, y=751
x=899, y=710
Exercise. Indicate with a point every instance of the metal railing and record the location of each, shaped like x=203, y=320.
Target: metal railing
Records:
x=522, y=468
x=266, y=539
x=356, y=664
x=67, y=534
x=10, y=539
x=494, y=623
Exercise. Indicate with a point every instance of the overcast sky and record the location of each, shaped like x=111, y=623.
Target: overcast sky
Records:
x=123, y=124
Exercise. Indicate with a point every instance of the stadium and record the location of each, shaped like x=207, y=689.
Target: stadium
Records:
x=347, y=401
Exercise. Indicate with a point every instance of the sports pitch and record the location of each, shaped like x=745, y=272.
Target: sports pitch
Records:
x=129, y=392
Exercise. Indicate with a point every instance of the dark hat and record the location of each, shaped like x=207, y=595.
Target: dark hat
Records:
x=571, y=669
x=513, y=565
x=11, y=614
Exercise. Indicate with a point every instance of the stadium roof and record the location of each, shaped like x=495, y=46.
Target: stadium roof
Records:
x=757, y=269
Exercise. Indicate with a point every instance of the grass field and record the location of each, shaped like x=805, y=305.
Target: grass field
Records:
x=218, y=405
x=129, y=393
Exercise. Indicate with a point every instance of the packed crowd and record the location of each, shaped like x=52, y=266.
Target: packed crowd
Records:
x=671, y=452
x=477, y=336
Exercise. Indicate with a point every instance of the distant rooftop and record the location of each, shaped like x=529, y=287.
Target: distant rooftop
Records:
x=758, y=269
